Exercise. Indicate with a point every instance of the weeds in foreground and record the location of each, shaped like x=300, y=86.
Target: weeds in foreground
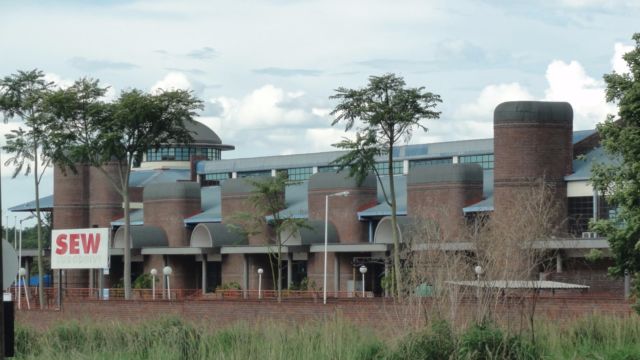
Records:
x=173, y=338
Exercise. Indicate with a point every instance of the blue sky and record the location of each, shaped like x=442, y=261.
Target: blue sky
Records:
x=267, y=68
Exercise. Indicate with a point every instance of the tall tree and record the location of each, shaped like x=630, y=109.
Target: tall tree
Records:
x=89, y=131
x=619, y=180
x=23, y=95
x=268, y=200
x=383, y=113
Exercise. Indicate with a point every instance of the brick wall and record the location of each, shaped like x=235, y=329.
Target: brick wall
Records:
x=343, y=210
x=378, y=314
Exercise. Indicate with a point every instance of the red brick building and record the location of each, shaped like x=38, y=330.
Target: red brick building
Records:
x=184, y=198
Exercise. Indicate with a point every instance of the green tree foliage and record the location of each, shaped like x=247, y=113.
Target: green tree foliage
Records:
x=619, y=181
x=23, y=95
x=383, y=114
x=88, y=130
x=268, y=200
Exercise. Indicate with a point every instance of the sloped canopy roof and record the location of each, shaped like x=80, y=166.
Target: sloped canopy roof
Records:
x=142, y=236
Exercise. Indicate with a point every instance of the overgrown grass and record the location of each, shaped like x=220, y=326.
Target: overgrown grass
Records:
x=172, y=338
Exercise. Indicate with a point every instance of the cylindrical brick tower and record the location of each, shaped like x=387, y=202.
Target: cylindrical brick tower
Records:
x=166, y=205
x=105, y=203
x=235, y=200
x=439, y=193
x=342, y=209
x=71, y=211
x=532, y=143
x=71, y=198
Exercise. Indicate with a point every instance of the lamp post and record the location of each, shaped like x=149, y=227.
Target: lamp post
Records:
x=154, y=272
x=20, y=245
x=363, y=270
x=479, y=271
x=260, y=271
x=21, y=275
x=167, y=273
x=326, y=241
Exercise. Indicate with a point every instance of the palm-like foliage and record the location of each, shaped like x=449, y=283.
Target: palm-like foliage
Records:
x=383, y=113
x=23, y=95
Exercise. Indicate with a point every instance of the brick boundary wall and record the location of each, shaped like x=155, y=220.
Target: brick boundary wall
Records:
x=381, y=315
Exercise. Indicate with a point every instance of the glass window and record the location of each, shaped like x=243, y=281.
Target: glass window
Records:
x=243, y=174
x=383, y=168
x=329, y=168
x=485, y=160
x=299, y=174
x=429, y=162
x=580, y=213
x=182, y=154
x=214, y=179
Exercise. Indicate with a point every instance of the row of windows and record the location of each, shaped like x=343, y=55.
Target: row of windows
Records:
x=304, y=173
x=383, y=168
x=581, y=212
x=429, y=162
x=486, y=160
x=298, y=174
x=181, y=153
x=244, y=174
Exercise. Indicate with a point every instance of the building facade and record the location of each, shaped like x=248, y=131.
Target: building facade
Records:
x=184, y=200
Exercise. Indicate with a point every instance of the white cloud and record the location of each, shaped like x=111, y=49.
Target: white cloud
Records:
x=599, y=3
x=490, y=97
x=565, y=82
x=569, y=82
x=172, y=81
x=263, y=109
x=617, y=62
x=58, y=81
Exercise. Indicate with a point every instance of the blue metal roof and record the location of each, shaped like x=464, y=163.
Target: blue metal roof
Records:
x=136, y=217
x=484, y=205
x=141, y=178
x=582, y=167
x=46, y=204
x=211, y=206
x=582, y=134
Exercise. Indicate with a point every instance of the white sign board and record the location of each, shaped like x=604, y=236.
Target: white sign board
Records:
x=9, y=265
x=80, y=248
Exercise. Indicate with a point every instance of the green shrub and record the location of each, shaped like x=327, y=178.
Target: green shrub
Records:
x=436, y=344
x=233, y=285
x=486, y=341
x=27, y=341
x=144, y=281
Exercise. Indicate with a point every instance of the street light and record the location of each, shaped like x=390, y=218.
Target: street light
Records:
x=167, y=273
x=154, y=272
x=260, y=271
x=326, y=241
x=479, y=271
x=363, y=270
x=21, y=275
x=20, y=255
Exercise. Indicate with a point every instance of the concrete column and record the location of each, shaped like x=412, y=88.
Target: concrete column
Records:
x=314, y=169
x=627, y=285
x=596, y=204
x=289, y=270
x=455, y=159
x=27, y=266
x=204, y=273
x=405, y=167
x=245, y=275
x=558, y=262
x=370, y=232
x=386, y=273
x=91, y=281
x=336, y=273
x=100, y=283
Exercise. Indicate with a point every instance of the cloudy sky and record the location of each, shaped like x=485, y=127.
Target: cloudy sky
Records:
x=266, y=68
